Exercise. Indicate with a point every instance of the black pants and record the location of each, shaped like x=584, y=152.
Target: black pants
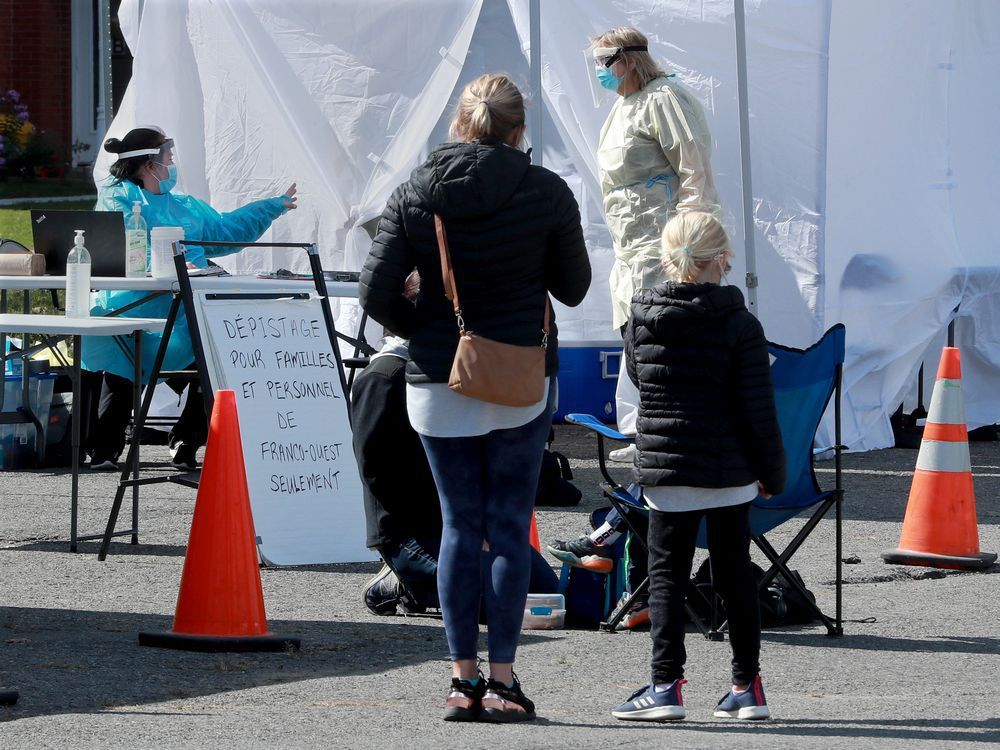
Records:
x=671, y=550
x=107, y=438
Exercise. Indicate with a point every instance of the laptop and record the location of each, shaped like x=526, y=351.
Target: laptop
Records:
x=52, y=231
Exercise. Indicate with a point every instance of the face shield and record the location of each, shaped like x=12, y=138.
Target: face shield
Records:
x=595, y=59
x=162, y=154
x=599, y=66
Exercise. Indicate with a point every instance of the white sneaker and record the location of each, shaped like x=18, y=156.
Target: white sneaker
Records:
x=624, y=455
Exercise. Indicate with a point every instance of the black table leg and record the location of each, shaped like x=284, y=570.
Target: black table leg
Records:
x=136, y=437
x=75, y=460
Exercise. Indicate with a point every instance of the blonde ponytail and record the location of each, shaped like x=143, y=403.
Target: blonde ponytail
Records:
x=490, y=108
x=691, y=240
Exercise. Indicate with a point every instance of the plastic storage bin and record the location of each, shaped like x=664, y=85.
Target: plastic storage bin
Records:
x=588, y=376
x=544, y=612
x=17, y=441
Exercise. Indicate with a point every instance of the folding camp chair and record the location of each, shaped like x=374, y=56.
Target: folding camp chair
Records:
x=627, y=505
x=804, y=382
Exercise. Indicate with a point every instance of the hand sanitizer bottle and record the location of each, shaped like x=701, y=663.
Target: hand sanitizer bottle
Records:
x=136, y=247
x=78, y=279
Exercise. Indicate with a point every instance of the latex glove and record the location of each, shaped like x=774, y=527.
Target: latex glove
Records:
x=289, y=198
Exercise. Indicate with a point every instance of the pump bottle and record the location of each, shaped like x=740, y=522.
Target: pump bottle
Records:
x=136, y=239
x=78, y=279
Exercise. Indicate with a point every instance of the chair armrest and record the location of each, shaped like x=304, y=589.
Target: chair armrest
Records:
x=592, y=423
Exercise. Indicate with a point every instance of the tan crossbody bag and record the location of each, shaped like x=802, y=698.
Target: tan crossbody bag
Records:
x=488, y=370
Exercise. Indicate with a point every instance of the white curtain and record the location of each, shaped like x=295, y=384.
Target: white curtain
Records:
x=874, y=161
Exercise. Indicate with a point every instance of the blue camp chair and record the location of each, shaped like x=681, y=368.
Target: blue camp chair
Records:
x=804, y=382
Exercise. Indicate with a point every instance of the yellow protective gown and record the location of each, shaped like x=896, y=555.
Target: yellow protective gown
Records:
x=653, y=158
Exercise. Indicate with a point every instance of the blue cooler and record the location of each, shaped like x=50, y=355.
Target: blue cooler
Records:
x=588, y=376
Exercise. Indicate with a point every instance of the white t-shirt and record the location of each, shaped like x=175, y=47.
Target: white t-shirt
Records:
x=437, y=411
x=682, y=499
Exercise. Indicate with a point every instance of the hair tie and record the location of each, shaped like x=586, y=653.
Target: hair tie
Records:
x=686, y=251
x=485, y=101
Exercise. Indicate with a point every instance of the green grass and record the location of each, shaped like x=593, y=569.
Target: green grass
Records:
x=15, y=224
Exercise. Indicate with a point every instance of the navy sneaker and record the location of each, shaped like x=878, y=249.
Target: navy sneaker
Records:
x=748, y=704
x=382, y=592
x=648, y=704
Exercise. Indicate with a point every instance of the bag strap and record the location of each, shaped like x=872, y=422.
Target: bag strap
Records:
x=451, y=290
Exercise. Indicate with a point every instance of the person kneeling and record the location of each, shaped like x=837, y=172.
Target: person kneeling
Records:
x=401, y=501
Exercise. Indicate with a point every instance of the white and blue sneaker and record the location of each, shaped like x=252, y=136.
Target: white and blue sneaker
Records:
x=650, y=704
x=748, y=704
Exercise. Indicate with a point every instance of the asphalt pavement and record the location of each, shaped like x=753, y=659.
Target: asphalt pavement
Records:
x=918, y=665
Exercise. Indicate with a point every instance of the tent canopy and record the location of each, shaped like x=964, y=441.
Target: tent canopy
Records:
x=872, y=166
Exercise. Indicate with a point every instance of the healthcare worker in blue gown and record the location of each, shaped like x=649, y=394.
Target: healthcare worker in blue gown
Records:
x=145, y=172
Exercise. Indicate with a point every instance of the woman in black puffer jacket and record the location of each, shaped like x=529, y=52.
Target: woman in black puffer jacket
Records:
x=708, y=441
x=515, y=236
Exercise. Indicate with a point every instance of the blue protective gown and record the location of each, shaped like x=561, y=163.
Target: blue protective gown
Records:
x=200, y=222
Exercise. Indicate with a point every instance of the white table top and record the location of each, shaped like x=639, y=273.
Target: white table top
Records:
x=205, y=283
x=63, y=326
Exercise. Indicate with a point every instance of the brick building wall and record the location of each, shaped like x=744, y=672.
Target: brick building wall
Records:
x=36, y=60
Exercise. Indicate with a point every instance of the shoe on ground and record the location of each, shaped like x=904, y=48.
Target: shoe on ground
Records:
x=749, y=704
x=648, y=704
x=8, y=697
x=583, y=553
x=382, y=592
x=183, y=456
x=104, y=464
x=504, y=705
x=465, y=700
x=624, y=455
x=638, y=613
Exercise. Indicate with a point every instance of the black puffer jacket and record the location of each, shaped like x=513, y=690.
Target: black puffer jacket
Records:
x=513, y=231
x=706, y=403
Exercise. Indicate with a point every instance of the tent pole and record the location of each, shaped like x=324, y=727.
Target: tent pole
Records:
x=744, y=107
x=106, y=94
x=535, y=65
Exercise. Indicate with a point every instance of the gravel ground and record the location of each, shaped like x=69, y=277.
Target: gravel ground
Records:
x=917, y=667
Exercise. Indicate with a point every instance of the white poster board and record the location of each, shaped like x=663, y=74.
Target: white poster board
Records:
x=305, y=491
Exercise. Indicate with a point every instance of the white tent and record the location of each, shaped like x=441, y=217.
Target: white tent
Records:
x=873, y=166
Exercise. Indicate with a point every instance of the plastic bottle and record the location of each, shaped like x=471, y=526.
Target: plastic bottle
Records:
x=78, y=279
x=136, y=249
x=161, y=251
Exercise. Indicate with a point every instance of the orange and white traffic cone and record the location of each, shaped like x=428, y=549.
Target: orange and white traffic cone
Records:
x=939, y=528
x=533, y=533
x=220, y=605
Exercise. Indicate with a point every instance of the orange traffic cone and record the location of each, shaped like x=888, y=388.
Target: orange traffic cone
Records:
x=533, y=533
x=939, y=528
x=220, y=605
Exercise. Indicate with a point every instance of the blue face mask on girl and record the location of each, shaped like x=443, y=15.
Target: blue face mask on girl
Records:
x=170, y=182
x=607, y=79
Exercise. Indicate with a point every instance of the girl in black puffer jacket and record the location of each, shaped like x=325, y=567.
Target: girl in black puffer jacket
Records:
x=708, y=441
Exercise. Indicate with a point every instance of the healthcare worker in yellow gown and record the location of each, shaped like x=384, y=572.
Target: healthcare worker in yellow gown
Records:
x=654, y=159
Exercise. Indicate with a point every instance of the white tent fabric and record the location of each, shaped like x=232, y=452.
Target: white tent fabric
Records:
x=872, y=166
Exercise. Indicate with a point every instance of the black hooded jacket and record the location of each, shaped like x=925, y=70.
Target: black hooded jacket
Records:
x=706, y=403
x=513, y=232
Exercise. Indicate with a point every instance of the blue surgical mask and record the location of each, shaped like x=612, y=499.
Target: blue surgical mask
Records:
x=608, y=79
x=171, y=181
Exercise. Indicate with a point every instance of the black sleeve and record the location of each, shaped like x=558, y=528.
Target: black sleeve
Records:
x=389, y=262
x=629, y=351
x=758, y=415
x=567, y=265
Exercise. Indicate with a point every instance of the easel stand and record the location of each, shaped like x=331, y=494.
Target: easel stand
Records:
x=183, y=294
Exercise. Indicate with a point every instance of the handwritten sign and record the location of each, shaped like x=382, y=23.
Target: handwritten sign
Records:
x=305, y=492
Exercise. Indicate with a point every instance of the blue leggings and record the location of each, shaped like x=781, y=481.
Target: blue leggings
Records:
x=487, y=488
